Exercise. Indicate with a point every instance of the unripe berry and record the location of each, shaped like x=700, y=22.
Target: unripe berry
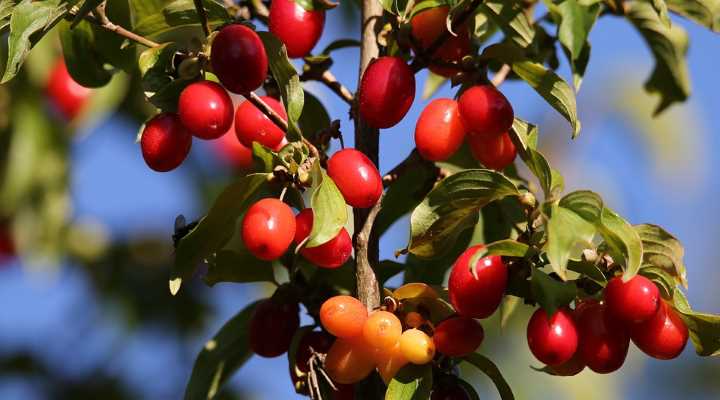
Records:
x=382, y=330
x=238, y=59
x=604, y=341
x=231, y=151
x=485, y=110
x=387, y=90
x=343, y=316
x=297, y=28
x=356, y=177
x=252, y=125
x=389, y=362
x=439, y=132
x=272, y=327
x=431, y=23
x=636, y=300
x=458, y=336
x=417, y=347
x=205, y=109
x=331, y=254
x=268, y=229
x=663, y=336
x=66, y=95
x=477, y=295
x=348, y=361
x=553, y=340
x=493, y=151
x=165, y=142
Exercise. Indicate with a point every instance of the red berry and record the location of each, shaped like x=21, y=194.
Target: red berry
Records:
x=428, y=25
x=636, y=300
x=7, y=244
x=496, y=152
x=205, y=109
x=604, y=341
x=316, y=341
x=231, y=151
x=165, y=142
x=296, y=27
x=64, y=93
x=251, y=125
x=387, y=90
x=439, y=131
x=331, y=254
x=458, y=336
x=485, y=110
x=571, y=367
x=477, y=297
x=268, y=229
x=552, y=340
x=238, y=59
x=356, y=177
x=272, y=327
x=663, y=336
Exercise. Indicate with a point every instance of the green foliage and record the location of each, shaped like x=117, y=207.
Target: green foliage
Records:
x=329, y=209
x=155, y=18
x=486, y=366
x=412, y=382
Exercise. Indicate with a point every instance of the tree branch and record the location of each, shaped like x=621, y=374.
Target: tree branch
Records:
x=267, y=110
x=331, y=82
x=202, y=15
x=100, y=19
x=367, y=284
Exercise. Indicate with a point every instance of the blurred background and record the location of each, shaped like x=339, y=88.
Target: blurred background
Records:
x=85, y=311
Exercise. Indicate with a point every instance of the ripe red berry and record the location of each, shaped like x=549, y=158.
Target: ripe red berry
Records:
x=663, y=336
x=231, y=151
x=165, y=142
x=205, y=109
x=604, y=340
x=553, y=340
x=485, y=110
x=428, y=25
x=439, y=131
x=356, y=177
x=297, y=28
x=7, y=244
x=458, y=336
x=331, y=254
x=66, y=95
x=238, y=58
x=251, y=125
x=493, y=151
x=317, y=341
x=571, y=367
x=636, y=300
x=477, y=295
x=272, y=327
x=268, y=229
x=387, y=90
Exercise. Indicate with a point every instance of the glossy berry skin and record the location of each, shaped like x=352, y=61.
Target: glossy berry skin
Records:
x=604, y=340
x=633, y=301
x=296, y=27
x=268, y=229
x=66, y=95
x=356, y=177
x=389, y=362
x=238, y=59
x=495, y=152
x=458, y=336
x=439, y=131
x=477, y=298
x=571, y=367
x=231, y=151
x=417, y=347
x=343, y=316
x=165, y=142
x=317, y=341
x=272, y=327
x=485, y=110
x=382, y=330
x=348, y=361
x=330, y=254
x=554, y=340
x=251, y=125
x=205, y=108
x=387, y=90
x=663, y=336
x=428, y=25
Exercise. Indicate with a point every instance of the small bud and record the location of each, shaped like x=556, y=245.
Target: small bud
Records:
x=528, y=200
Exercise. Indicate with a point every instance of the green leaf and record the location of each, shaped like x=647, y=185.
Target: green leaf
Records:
x=704, y=328
x=524, y=135
x=576, y=21
x=662, y=250
x=314, y=117
x=506, y=248
x=550, y=293
x=387, y=269
x=156, y=68
x=263, y=158
x=85, y=9
x=511, y=18
x=239, y=267
x=214, y=230
x=153, y=22
x=329, y=209
x=589, y=270
x=452, y=206
x=340, y=44
x=432, y=84
x=670, y=77
x=83, y=62
x=6, y=9
x=661, y=8
x=565, y=229
x=288, y=81
x=703, y=12
x=664, y=281
x=412, y=382
x=224, y=354
x=489, y=368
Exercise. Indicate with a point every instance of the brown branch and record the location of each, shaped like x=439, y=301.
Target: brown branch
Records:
x=367, y=284
x=501, y=75
x=331, y=82
x=100, y=19
x=267, y=110
x=202, y=15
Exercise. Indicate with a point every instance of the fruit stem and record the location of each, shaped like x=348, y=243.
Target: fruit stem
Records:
x=329, y=79
x=202, y=15
x=267, y=110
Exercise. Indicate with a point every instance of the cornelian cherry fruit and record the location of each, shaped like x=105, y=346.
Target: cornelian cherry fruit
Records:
x=493, y=151
x=552, y=340
x=252, y=125
x=387, y=90
x=458, y=336
x=417, y=347
x=439, y=132
x=428, y=25
x=238, y=59
x=478, y=294
x=663, y=336
x=571, y=367
x=165, y=142
x=268, y=229
x=330, y=254
x=66, y=95
x=636, y=300
x=343, y=316
x=272, y=327
x=485, y=110
x=604, y=340
x=298, y=28
x=356, y=177
x=389, y=362
x=232, y=152
x=206, y=110
x=348, y=361
x=382, y=330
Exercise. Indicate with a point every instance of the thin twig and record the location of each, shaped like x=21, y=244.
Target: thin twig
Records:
x=202, y=15
x=501, y=75
x=100, y=19
x=267, y=110
x=331, y=82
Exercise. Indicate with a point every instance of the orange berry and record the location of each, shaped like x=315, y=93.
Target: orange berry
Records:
x=382, y=330
x=417, y=346
x=390, y=362
x=349, y=361
x=343, y=316
x=414, y=319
